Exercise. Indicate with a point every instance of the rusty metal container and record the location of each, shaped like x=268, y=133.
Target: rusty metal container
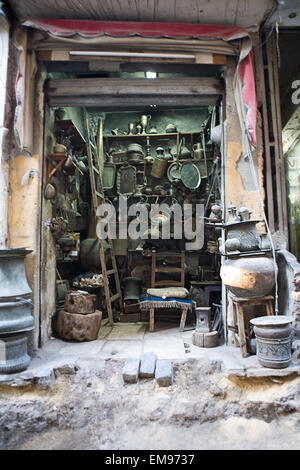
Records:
x=15, y=311
x=159, y=167
x=273, y=340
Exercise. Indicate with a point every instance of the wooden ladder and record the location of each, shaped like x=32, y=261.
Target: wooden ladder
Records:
x=95, y=161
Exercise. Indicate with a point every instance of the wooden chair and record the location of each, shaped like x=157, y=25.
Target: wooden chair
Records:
x=167, y=269
x=156, y=256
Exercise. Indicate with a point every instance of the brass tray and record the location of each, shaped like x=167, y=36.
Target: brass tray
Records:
x=126, y=180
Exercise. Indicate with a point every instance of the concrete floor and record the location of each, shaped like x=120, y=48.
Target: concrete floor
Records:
x=126, y=340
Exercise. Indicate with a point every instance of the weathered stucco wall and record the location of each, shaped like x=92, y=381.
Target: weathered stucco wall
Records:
x=240, y=187
x=4, y=47
x=24, y=172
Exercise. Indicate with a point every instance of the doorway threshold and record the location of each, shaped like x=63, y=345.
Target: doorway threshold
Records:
x=130, y=340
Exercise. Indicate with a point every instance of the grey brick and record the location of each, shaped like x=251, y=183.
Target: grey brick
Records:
x=148, y=363
x=131, y=371
x=164, y=373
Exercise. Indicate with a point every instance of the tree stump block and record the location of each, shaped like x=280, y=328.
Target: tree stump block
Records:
x=77, y=327
x=205, y=340
x=80, y=302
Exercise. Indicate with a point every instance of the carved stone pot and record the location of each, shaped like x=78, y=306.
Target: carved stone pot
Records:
x=273, y=340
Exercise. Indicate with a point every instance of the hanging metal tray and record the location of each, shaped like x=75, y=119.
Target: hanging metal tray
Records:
x=126, y=180
x=190, y=175
x=109, y=176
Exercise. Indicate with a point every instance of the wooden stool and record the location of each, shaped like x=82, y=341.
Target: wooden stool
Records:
x=239, y=320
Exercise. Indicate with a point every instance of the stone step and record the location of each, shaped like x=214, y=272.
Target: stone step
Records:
x=148, y=364
x=130, y=371
x=164, y=372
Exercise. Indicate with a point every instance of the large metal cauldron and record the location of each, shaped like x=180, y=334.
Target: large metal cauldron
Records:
x=15, y=311
x=249, y=276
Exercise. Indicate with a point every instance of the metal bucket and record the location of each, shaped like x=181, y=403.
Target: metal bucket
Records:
x=159, y=167
x=273, y=340
x=132, y=286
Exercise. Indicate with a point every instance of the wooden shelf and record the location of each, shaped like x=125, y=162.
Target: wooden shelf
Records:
x=158, y=135
x=141, y=195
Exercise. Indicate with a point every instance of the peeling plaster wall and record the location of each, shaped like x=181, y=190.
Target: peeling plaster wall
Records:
x=48, y=255
x=24, y=177
x=240, y=188
x=4, y=47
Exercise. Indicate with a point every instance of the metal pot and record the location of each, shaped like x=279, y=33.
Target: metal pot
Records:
x=249, y=276
x=273, y=340
x=15, y=310
x=89, y=252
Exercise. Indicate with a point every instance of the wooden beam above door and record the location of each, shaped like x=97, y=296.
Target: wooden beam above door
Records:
x=149, y=56
x=133, y=92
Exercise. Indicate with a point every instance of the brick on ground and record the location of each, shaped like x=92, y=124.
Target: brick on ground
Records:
x=164, y=373
x=148, y=364
x=130, y=371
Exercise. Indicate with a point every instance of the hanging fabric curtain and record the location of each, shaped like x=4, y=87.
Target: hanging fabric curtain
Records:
x=228, y=40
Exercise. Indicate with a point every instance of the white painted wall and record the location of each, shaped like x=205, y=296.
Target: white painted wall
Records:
x=4, y=44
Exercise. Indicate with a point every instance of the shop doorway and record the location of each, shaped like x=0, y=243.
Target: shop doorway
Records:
x=154, y=149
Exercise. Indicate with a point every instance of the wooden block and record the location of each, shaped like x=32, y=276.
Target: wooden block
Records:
x=131, y=371
x=205, y=340
x=164, y=373
x=80, y=302
x=148, y=364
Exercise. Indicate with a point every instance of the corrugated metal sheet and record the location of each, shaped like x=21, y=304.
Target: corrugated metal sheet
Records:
x=242, y=13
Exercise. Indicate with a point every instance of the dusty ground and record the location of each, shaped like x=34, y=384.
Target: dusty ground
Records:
x=204, y=409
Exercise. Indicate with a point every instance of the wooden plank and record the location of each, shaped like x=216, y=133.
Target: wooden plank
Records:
x=53, y=55
x=114, y=298
x=275, y=131
x=108, y=103
x=242, y=334
x=267, y=153
x=133, y=86
x=219, y=59
x=279, y=143
x=110, y=271
x=151, y=325
x=166, y=269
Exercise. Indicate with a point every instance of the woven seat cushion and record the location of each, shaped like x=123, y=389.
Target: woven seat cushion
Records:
x=166, y=292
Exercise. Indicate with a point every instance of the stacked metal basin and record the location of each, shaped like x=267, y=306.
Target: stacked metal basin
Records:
x=15, y=311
